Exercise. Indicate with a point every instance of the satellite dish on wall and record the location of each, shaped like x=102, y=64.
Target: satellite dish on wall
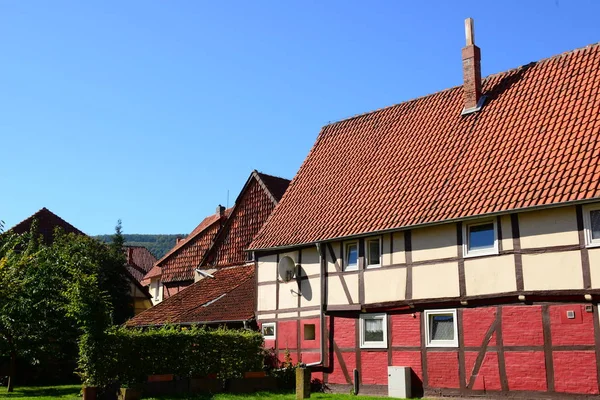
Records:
x=286, y=269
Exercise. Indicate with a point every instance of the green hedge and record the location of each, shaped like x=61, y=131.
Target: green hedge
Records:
x=128, y=356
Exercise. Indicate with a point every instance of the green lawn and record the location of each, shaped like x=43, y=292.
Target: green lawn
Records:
x=71, y=392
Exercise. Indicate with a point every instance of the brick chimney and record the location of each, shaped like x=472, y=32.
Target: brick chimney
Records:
x=220, y=210
x=471, y=60
x=130, y=255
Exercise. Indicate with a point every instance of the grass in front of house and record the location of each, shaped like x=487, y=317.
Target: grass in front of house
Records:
x=269, y=396
x=68, y=392
x=71, y=392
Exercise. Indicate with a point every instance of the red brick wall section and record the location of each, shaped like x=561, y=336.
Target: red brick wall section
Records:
x=575, y=372
x=525, y=370
x=310, y=344
x=408, y=359
x=373, y=368
x=522, y=325
x=579, y=331
x=442, y=369
x=344, y=332
x=287, y=335
x=488, y=377
x=337, y=375
x=476, y=322
x=406, y=329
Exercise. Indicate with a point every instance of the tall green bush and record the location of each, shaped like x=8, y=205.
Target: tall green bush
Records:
x=130, y=355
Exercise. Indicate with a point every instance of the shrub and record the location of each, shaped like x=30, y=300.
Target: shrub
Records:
x=130, y=355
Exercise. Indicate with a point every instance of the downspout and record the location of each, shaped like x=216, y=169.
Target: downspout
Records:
x=322, y=309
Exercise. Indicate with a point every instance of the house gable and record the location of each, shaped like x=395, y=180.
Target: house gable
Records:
x=252, y=208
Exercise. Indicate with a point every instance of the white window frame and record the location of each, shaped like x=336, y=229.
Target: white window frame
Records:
x=345, y=256
x=587, y=224
x=368, y=249
x=270, y=337
x=481, y=252
x=373, y=345
x=441, y=343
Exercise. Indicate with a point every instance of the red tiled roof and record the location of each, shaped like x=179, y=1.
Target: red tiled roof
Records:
x=229, y=297
x=139, y=261
x=47, y=222
x=179, y=263
x=156, y=271
x=252, y=208
x=534, y=143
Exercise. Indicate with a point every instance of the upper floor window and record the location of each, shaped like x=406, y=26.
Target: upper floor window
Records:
x=480, y=238
x=373, y=331
x=591, y=220
x=373, y=253
x=441, y=328
x=350, y=256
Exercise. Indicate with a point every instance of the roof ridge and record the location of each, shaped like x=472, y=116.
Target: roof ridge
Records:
x=488, y=77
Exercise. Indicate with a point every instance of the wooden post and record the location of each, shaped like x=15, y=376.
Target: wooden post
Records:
x=302, y=383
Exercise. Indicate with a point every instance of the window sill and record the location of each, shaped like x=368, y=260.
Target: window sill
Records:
x=473, y=254
x=595, y=243
x=373, y=266
x=373, y=345
x=441, y=345
x=351, y=268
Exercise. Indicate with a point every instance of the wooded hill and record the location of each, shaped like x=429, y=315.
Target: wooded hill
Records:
x=157, y=244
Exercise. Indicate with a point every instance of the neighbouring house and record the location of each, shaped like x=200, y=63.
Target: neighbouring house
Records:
x=457, y=234
x=139, y=259
x=225, y=289
x=139, y=262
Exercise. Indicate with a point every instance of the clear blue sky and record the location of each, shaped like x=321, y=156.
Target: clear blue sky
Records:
x=150, y=111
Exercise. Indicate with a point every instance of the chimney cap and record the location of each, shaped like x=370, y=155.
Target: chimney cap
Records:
x=470, y=31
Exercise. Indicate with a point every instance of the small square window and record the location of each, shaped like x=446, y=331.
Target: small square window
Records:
x=441, y=328
x=268, y=330
x=309, y=332
x=373, y=331
x=351, y=256
x=480, y=239
x=591, y=220
x=373, y=253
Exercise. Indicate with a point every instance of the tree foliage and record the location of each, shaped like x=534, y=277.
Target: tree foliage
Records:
x=51, y=294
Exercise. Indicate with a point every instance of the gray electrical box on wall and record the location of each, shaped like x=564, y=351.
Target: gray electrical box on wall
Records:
x=399, y=382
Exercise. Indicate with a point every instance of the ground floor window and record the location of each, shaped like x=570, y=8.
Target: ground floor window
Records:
x=269, y=330
x=373, y=331
x=441, y=328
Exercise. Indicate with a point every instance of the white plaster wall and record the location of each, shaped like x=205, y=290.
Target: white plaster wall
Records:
x=311, y=292
x=434, y=242
x=490, y=275
x=594, y=254
x=335, y=291
x=383, y=285
x=336, y=250
x=550, y=271
x=545, y=228
x=288, y=294
x=310, y=261
x=398, y=254
x=266, y=296
x=267, y=268
x=507, y=240
x=435, y=280
x=386, y=255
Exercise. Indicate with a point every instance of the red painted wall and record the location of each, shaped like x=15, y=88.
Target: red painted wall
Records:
x=522, y=328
